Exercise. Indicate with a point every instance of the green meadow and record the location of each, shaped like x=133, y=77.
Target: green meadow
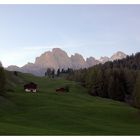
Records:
x=74, y=113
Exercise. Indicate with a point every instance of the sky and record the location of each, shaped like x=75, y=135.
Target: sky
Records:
x=27, y=31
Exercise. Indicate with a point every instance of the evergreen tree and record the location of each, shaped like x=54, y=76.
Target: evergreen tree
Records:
x=62, y=71
x=53, y=73
x=58, y=72
x=2, y=81
x=48, y=72
x=15, y=73
x=136, y=93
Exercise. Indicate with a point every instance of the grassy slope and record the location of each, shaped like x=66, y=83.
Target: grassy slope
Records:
x=75, y=113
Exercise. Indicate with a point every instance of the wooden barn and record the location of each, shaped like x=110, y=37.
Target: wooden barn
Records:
x=31, y=87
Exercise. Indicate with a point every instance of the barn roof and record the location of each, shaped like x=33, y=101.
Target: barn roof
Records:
x=30, y=85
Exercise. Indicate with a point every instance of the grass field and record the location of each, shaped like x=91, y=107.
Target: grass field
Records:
x=73, y=113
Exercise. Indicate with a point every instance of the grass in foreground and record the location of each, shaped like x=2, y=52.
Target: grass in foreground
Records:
x=73, y=113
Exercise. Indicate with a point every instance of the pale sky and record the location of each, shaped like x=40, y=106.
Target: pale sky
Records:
x=27, y=31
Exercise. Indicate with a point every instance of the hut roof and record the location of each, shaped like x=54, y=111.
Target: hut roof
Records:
x=30, y=85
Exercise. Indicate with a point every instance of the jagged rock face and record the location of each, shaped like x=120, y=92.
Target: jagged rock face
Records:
x=104, y=59
x=61, y=58
x=46, y=60
x=77, y=61
x=118, y=55
x=55, y=59
x=91, y=61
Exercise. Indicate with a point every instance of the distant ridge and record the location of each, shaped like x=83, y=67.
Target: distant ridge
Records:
x=59, y=59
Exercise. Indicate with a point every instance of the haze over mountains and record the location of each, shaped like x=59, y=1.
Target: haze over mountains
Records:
x=58, y=59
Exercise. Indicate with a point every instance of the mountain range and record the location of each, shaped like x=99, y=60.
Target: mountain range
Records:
x=59, y=59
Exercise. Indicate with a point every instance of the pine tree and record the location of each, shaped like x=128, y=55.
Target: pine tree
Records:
x=58, y=72
x=53, y=73
x=136, y=93
x=48, y=72
x=15, y=73
x=2, y=81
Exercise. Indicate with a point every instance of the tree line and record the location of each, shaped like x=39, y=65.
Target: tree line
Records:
x=117, y=80
x=52, y=73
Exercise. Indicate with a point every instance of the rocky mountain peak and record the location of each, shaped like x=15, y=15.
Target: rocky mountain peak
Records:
x=57, y=50
x=118, y=55
x=77, y=61
x=91, y=61
x=104, y=59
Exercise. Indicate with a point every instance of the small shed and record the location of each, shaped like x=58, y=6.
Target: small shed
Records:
x=30, y=87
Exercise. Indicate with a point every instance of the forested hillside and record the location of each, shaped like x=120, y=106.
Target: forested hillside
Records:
x=118, y=80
